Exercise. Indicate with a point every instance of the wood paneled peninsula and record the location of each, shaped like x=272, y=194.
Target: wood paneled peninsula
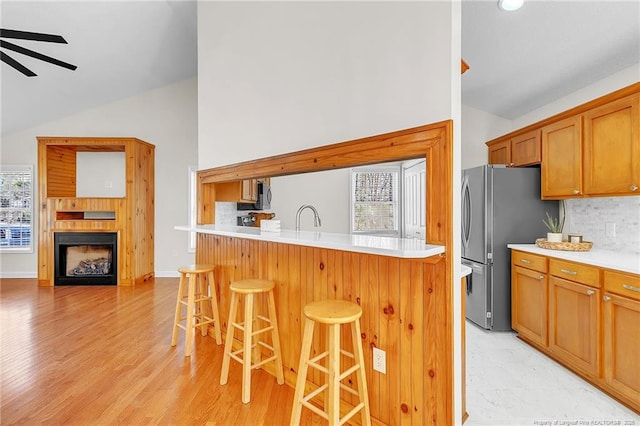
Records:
x=406, y=294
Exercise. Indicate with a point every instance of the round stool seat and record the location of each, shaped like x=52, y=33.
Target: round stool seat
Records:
x=196, y=269
x=251, y=286
x=333, y=311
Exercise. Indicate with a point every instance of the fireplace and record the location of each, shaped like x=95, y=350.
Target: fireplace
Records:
x=86, y=258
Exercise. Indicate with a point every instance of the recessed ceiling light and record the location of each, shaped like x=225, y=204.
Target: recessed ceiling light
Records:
x=510, y=5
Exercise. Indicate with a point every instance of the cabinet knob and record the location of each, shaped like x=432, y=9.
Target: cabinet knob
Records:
x=512, y=164
x=590, y=292
x=576, y=191
x=606, y=298
x=540, y=277
x=633, y=188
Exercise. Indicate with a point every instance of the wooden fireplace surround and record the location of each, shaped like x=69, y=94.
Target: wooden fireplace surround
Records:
x=132, y=216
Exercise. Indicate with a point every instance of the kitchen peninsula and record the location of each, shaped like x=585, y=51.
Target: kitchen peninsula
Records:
x=371, y=244
x=404, y=287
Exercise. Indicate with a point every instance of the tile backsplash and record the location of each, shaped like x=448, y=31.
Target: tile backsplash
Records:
x=590, y=216
x=226, y=213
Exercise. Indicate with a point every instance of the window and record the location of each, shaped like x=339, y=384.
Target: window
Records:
x=374, y=200
x=16, y=197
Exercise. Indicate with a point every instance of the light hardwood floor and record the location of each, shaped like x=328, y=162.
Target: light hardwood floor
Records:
x=80, y=355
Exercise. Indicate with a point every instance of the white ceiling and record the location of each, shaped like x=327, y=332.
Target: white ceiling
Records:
x=519, y=61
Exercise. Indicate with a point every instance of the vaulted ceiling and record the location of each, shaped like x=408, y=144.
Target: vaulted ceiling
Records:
x=519, y=60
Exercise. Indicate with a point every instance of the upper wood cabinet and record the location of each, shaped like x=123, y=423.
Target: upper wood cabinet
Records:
x=591, y=150
x=561, y=168
x=244, y=191
x=519, y=150
x=612, y=148
x=500, y=152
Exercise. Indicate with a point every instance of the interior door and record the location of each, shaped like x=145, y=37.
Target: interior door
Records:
x=414, y=199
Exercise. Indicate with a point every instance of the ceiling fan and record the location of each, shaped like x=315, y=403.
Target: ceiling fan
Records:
x=25, y=35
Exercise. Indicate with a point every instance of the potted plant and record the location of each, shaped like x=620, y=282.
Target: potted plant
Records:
x=555, y=225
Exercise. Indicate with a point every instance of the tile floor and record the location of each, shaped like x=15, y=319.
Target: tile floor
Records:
x=510, y=383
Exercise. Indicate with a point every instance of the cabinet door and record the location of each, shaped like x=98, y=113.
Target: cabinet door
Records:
x=525, y=149
x=500, y=152
x=574, y=312
x=612, y=148
x=529, y=304
x=621, y=347
x=249, y=192
x=561, y=168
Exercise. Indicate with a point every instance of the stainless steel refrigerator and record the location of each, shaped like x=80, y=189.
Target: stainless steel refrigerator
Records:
x=500, y=206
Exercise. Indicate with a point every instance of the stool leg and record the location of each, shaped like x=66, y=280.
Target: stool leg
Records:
x=201, y=290
x=247, y=350
x=307, y=339
x=176, y=321
x=214, y=307
x=228, y=343
x=275, y=338
x=333, y=404
x=363, y=392
x=190, y=331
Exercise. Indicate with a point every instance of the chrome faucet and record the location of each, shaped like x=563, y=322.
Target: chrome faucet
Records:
x=316, y=218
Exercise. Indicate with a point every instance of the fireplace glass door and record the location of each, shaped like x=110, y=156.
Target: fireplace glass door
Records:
x=86, y=258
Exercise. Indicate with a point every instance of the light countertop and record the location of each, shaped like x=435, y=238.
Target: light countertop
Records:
x=625, y=262
x=370, y=244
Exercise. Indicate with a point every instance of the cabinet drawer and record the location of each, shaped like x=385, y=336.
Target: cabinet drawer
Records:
x=529, y=261
x=589, y=275
x=623, y=284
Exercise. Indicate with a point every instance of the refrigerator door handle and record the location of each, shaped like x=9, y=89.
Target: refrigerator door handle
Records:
x=469, y=284
x=466, y=212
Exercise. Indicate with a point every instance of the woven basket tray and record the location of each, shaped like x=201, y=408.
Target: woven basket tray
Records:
x=565, y=245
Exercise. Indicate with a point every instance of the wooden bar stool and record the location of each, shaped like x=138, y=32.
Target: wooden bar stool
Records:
x=195, y=296
x=334, y=313
x=251, y=342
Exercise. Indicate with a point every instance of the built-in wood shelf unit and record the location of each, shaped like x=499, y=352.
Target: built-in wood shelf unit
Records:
x=131, y=216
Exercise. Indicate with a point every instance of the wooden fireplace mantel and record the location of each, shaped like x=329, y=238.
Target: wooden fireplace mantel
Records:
x=131, y=216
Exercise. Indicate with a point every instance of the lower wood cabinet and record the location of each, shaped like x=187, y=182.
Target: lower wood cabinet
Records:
x=585, y=317
x=574, y=324
x=621, y=324
x=529, y=304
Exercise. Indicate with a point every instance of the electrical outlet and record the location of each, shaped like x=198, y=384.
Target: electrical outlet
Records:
x=380, y=360
x=610, y=229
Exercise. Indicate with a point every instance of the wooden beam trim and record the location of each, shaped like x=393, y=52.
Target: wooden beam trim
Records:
x=394, y=146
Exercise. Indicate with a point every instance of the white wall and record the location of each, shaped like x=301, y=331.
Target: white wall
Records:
x=328, y=192
x=277, y=77
x=165, y=117
x=478, y=127
x=607, y=85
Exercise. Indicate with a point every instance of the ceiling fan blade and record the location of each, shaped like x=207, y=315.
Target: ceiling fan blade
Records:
x=17, y=65
x=40, y=56
x=25, y=35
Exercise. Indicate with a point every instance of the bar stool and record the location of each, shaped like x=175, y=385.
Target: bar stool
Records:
x=195, y=296
x=249, y=288
x=334, y=313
